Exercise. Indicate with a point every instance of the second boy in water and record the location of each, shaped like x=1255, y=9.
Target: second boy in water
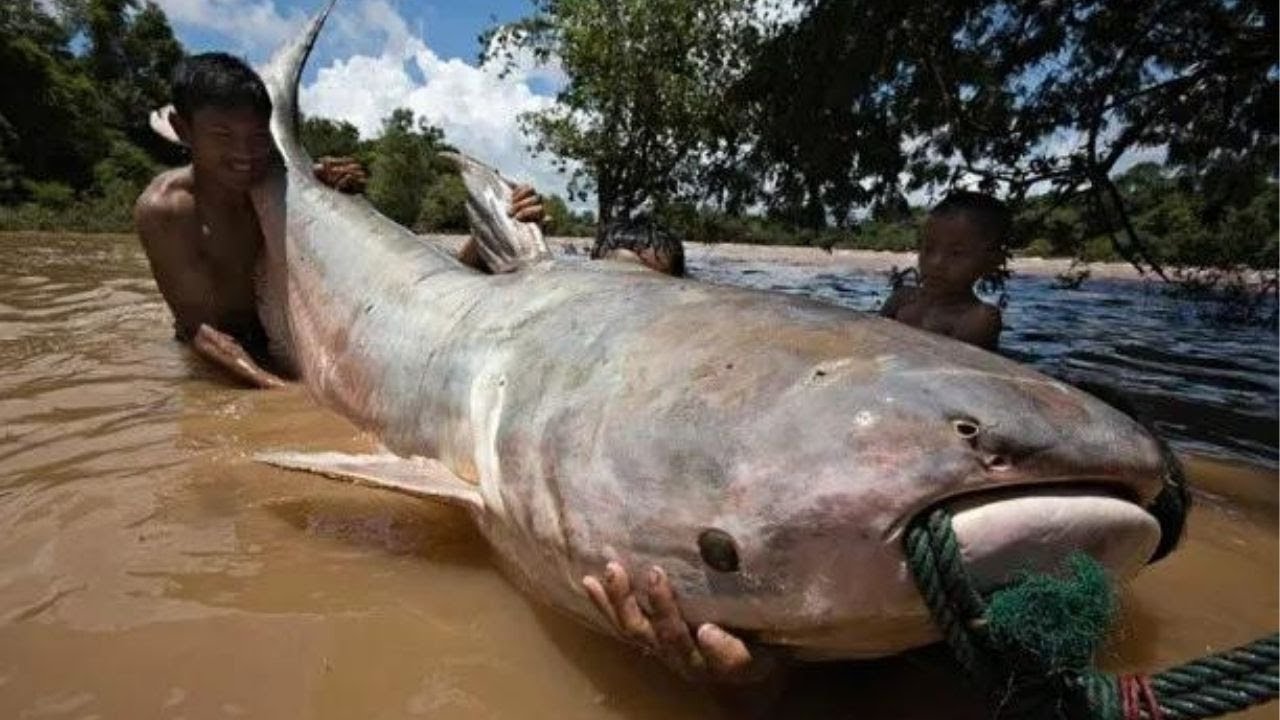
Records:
x=961, y=242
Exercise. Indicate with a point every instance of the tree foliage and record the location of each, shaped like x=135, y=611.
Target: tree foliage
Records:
x=403, y=167
x=836, y=114
x=647, y=78
x=859, y=101
x=323, y=137
x=443, y=206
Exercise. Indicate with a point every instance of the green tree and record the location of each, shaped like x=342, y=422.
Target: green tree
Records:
x=333, y=138
x=646, y=89
x=131, y=55
x=444, y=205
x=857, y=97
x=403, y=166
x=151, y=54
x=51, y=107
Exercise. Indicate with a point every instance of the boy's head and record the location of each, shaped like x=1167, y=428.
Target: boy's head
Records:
x=222, y=113
x=963, y=239
x=642, y=239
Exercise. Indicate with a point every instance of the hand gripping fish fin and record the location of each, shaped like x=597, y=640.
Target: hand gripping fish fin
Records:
x=505, y=244
x=419, y=477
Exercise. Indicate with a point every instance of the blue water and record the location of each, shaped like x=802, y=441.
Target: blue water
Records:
x=1209, y=387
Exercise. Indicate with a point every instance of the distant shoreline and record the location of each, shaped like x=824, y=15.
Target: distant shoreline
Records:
x=839, y=259
x=864, y=260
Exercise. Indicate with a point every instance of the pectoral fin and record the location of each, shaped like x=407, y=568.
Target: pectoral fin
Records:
x=419, y=477
x=505, y=244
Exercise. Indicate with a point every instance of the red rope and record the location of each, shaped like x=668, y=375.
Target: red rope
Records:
x=1138, y=699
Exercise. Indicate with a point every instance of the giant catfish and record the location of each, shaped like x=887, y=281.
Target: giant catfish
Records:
x=588, y=412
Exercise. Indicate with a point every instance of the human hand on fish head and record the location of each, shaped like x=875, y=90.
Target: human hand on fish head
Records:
x=526, y=205
x=343, y=174
x=648, y=614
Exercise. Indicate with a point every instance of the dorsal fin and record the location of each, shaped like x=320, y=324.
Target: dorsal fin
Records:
x=505, y=244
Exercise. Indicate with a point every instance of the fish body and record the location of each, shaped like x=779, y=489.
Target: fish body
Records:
x=767, y=451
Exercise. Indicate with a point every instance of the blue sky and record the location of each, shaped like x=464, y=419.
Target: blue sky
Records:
x=379, y=55
x=449, y=28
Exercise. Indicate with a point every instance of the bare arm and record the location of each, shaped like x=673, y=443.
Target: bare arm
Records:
x=162, y=227
x=174, y=264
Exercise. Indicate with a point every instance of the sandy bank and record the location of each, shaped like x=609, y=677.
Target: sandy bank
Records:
x=850, y=260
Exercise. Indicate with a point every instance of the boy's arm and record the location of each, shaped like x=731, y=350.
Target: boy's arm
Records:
x=980, y=326
x=176, y=268
x=161, y=224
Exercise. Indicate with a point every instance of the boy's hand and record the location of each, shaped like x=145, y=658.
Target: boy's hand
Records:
x=526, y=205
x=646, y=612
x=227, y=353
x=343, y=174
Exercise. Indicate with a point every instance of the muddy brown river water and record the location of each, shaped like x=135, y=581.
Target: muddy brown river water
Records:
x=148, y=569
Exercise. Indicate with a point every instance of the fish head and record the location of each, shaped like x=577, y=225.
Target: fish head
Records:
x=797, y=538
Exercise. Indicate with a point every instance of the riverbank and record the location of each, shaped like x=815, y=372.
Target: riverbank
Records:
x=839, y=259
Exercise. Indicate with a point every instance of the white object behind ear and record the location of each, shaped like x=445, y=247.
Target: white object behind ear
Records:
x=160, y=124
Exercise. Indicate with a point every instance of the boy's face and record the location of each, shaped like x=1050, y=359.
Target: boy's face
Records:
x=231, y=145
x=954, y=252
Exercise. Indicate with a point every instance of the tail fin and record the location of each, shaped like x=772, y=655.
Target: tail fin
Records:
x=281, y=77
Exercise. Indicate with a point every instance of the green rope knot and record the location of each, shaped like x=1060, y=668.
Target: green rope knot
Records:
x=1045, y=630
x=1030, y=646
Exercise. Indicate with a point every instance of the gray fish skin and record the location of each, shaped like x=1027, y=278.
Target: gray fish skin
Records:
x=600, y=412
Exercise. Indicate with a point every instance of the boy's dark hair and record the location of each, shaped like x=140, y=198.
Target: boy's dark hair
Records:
x=983, y=210
x=217, y=80
x=639, y=234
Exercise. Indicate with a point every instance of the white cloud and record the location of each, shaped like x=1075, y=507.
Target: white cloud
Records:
x=477, y=107
x=257, y=26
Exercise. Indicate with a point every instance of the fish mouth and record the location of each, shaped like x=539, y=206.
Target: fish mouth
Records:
x=1004, y=533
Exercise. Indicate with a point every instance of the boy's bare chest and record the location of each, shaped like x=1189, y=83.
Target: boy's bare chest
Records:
x=228, y=248
x=941, y=319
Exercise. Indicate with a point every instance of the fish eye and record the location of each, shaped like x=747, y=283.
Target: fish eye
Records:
x=718, y=550
x=966, y=428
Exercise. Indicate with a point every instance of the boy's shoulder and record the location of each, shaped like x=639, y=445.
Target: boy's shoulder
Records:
x=170, y=193
x=168, y=199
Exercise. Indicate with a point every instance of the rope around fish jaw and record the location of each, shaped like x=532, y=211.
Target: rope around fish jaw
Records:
x=1043, y=668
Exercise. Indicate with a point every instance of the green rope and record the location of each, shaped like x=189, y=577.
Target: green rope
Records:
x=1030, y=646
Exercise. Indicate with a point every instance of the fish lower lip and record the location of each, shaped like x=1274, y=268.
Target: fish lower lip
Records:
x=1004, y=534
